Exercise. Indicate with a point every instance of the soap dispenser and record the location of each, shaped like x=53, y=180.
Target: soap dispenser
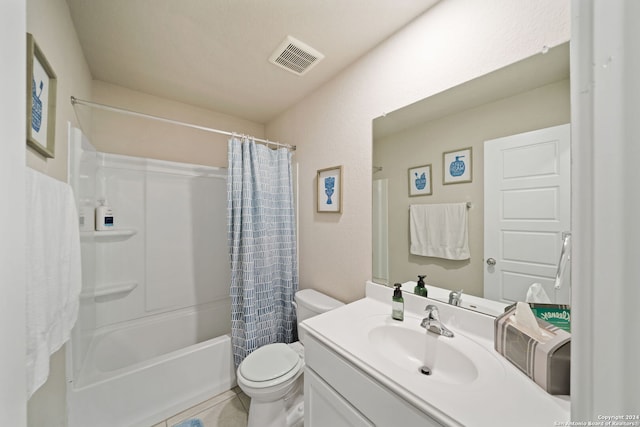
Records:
x=397, y=303
x=420, y=288
x=104, y=216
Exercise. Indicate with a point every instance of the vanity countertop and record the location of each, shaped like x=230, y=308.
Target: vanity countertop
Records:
x=501, y=395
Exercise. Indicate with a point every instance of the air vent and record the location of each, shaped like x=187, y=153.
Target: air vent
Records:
x=295, y=56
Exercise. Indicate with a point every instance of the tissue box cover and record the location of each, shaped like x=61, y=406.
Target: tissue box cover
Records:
x=546, y=362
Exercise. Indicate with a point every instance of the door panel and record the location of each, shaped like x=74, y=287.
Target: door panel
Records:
x=520, y=245
x=527, y=207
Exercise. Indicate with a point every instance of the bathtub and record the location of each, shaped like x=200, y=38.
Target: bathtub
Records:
x=141, y=373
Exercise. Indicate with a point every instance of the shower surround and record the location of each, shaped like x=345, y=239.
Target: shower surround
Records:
x=152, y=334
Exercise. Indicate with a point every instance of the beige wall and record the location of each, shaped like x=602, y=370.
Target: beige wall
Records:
x=455, y=41
x=540, y=108
x=134, y=136
x=50, y=23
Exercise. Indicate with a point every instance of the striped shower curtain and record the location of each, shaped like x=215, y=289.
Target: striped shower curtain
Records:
x=262, y=246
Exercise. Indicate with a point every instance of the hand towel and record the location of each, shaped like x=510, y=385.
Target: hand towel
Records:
x=439, y=230
x=53, y=276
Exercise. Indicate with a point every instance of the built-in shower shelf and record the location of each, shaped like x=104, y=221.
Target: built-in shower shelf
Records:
x=112, y=290
x=109, y=235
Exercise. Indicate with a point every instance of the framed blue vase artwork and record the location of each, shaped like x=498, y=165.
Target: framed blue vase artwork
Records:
x=457, y=166
x=41, y=101
x=329, y=194
x=420, y=181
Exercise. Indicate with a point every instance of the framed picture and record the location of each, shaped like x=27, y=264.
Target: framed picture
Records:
x=456, y=166
x=420, y=181
x=330, y=190
x=41, y=101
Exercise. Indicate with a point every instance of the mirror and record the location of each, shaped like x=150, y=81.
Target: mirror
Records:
x=528, y=95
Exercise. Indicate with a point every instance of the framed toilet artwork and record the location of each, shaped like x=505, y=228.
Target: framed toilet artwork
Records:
x=457, y=166
x=329, y=190
x=41, y=101
x=420, y=181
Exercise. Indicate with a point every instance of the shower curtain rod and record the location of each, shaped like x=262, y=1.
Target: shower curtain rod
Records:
x=75, y=101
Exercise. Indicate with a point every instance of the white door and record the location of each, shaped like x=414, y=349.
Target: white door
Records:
x=527, y=207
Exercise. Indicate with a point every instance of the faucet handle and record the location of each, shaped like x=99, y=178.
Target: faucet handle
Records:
x=432, y=312
x=455, y=296
x=432, y=322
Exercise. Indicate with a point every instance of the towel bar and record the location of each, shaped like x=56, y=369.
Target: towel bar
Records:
x=469, y=205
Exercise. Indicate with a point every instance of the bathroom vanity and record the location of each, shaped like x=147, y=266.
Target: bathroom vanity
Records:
x=364, y=369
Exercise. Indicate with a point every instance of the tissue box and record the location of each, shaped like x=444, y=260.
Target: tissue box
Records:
x=556, y=314
x=546, y=361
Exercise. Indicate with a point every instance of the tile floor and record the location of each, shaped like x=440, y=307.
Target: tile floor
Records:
x=229, y=409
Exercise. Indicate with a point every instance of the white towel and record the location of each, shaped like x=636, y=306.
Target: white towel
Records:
x=440, y=231
x=53, y=271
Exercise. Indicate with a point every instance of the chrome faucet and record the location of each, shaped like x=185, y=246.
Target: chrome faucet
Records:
x=455, y=298
x=432, y=322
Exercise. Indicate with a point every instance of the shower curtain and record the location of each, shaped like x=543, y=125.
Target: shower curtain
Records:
x=262, y=246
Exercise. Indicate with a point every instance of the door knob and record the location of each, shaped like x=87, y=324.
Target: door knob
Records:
x=491, y=261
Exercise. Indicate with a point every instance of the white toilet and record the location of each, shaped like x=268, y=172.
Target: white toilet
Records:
x=272, y=375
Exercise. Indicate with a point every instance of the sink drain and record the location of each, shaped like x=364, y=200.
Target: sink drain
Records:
x=425, y=371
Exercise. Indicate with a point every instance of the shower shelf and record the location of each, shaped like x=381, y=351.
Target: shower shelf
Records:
x=110, y=290
x=109, y=235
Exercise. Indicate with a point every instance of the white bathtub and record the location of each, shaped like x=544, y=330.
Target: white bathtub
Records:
x=150, y=369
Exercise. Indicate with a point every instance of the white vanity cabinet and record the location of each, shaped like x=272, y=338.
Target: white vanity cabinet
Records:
x=363, y=369
x=337, y=393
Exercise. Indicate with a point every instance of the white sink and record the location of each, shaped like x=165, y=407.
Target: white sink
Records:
x=456, y=361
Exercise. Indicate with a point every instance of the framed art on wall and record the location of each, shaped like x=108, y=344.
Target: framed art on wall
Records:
x=329, y=198
x=456, y=166
x=41, y=101
x=420, y=181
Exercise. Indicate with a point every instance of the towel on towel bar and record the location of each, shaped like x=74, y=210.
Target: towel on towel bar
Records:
x=439, y=230
x=53, y=276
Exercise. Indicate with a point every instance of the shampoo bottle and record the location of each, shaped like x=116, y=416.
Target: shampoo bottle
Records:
x=420, y=289
x=397, y=303
x=104, y=216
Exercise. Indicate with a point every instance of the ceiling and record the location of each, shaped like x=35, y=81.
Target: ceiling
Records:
x=215, y=54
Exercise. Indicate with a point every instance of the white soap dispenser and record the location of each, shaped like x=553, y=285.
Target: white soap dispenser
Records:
x=104, y=216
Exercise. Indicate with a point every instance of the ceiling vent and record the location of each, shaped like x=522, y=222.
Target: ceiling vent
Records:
x=295, y=56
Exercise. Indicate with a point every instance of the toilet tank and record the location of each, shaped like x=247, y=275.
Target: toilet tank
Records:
x=310, y=303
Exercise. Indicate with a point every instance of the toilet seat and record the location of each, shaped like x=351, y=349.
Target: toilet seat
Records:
x=269, y=365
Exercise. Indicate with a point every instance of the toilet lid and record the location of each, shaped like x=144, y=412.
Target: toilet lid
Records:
x=269, y=362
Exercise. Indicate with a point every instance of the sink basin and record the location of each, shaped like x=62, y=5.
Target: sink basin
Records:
x=456, y=361
x=413, y=350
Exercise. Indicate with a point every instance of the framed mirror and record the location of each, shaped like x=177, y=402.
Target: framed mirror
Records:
x=526, y=96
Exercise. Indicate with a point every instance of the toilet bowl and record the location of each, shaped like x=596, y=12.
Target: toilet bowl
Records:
x=272, y=376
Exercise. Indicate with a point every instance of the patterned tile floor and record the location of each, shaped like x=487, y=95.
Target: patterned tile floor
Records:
x=229, y=409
